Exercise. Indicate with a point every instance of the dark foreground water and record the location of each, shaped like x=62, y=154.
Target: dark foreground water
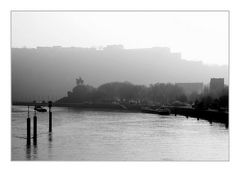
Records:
x=99, y=135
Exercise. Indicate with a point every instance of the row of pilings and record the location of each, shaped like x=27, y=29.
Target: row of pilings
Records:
x=35, y=125
x=209, y=115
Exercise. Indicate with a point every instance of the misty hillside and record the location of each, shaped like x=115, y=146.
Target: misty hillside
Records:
x=49, y=72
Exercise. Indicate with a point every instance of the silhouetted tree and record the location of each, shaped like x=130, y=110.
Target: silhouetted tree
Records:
x=216, y=101
x=193, y=96
x=182, y=98
x=164, y=93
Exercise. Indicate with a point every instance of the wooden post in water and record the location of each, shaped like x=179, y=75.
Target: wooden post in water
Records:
x=28, y=129
x=226, y=124
x=210, y=120
x=35, y=128
x=50, y=116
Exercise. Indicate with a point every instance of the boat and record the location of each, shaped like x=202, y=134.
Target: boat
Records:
x=40, y=109
x=160, y=110
x=163, y=111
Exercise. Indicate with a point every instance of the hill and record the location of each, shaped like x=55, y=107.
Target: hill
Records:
x=49, y=72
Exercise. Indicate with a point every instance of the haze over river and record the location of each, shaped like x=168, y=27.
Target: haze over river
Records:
x=106, y=135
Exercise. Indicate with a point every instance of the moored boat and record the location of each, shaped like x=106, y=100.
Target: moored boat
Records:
x=160, y=110
x=40, y=109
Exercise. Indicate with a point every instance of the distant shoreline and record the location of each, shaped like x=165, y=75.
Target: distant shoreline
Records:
x=95, y=106
x=209, y=115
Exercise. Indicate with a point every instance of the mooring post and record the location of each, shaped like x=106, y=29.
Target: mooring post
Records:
x=28, y=129
x=50, y=116
x=210, y=120
x=50, y=121
x=35, y=128
x=226, y=124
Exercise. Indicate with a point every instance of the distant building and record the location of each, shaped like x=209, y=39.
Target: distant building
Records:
x=190, y=88
x=216, y=85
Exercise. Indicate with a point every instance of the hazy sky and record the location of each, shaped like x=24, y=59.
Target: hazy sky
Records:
x=201, y=36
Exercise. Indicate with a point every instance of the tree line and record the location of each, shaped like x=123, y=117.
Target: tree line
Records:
x=211, y=100
x=158, y=93
x=161, y=93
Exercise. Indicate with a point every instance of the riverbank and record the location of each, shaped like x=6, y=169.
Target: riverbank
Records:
x=93, y=106
x=210, y=115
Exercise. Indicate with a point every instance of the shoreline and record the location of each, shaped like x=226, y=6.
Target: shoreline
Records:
x=209, y=115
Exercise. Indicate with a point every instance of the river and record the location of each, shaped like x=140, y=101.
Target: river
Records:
x=105, y=135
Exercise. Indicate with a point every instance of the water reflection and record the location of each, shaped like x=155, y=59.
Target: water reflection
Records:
x=31, y=152
x=50, y=137
x=35, y=152
x=28, y=152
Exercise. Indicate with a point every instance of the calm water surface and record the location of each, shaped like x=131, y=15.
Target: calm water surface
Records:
x=99, y=135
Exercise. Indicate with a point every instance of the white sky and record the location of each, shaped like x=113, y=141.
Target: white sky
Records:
x=200, y=36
